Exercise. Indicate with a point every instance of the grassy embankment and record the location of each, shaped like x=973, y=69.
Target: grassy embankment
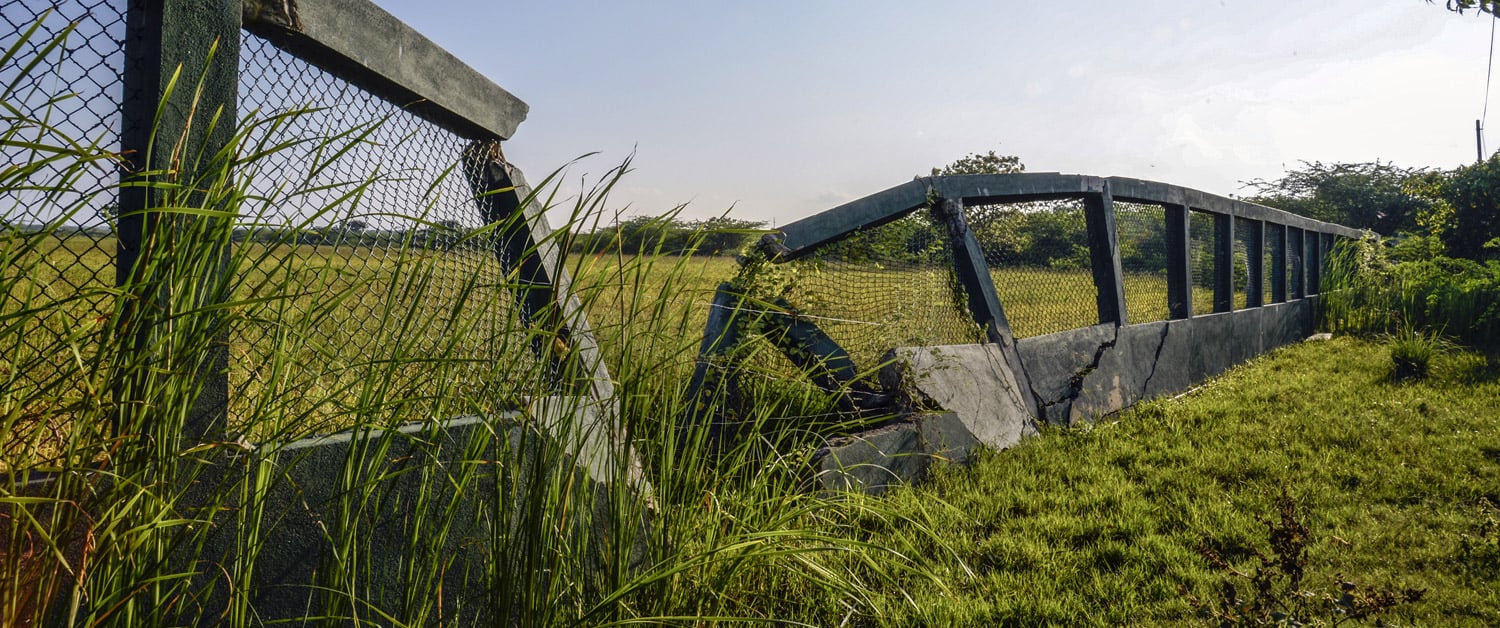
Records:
x=1100, y=525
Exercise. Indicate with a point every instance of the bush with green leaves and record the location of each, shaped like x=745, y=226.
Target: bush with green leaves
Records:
x=1369, y=292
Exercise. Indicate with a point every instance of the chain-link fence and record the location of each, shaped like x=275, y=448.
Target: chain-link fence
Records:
x=1244, y=241
x=1295, y=273
x=1038, y=257
x=1275, y=263
x=1141, y=230
x=362, y=192
x=884, y=287
x=362, y=210
x=1201, y=260
x=56, y=208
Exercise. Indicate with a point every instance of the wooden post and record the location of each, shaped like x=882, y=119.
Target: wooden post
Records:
x=1104, y=253
x=196, y=43
x=1179, y=260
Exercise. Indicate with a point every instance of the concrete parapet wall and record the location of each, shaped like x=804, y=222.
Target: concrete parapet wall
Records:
x=965, y=396
x=1081, y=374
x=363, y=507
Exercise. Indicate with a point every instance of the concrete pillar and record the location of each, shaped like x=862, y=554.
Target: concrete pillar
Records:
x=180, y=88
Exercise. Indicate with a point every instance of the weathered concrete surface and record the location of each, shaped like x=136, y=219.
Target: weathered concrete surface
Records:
x=972, y=381
x=446, y=498
x=1077, y=375
x=1057, y=365
x=1081, y=374
x=363, y=44
x=892, y=455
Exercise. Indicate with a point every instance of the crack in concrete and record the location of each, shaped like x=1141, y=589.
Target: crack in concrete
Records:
x=1075, y=383
x=1161, y=343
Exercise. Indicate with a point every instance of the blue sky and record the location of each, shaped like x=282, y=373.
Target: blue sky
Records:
x=783, y=109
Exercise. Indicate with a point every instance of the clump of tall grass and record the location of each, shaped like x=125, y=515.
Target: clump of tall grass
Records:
x=1376, y=289
x=128, y=498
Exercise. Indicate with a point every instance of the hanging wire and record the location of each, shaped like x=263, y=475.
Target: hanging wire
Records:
x=1488, y=72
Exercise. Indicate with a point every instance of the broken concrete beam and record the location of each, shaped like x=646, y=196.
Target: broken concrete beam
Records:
x=1057, y=365
x=892, y=455
x=972, y=381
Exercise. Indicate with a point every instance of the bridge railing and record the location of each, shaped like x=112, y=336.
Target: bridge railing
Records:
x=364, y=148
x=995, y=258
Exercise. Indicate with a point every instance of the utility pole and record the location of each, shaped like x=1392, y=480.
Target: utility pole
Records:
x=1478, y=142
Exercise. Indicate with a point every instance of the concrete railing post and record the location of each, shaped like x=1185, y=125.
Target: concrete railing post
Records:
x=973, y=274
x=1314, y=262
x=1104, y=255
x=196, y=43
x=1179, y=259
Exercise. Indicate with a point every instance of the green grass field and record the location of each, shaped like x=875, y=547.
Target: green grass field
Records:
x=1101, y=525
x=868, y=310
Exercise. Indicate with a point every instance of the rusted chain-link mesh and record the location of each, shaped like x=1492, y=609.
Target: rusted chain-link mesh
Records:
x=364, y=206
x=1141, y=230
x=55, y=220
x=1038, y=256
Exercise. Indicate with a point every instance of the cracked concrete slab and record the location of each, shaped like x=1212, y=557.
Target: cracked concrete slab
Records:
x=1058, y=364
x=1085, y=373
x=1076, y=375
x=1120, y=379
x=972, y=381
x=899, y=453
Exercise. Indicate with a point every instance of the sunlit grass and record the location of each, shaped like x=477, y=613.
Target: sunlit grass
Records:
x=1101, y=525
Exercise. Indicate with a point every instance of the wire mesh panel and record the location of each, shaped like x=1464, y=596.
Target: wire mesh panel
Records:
x=1141, y=230
x=1276, y=290
x=1201, y=261
x=1294, y=270
x=364, y=211
x=1244, y=240
x=1266, y=266
x=884, y=287
x=62, y=92
x=1038, y=256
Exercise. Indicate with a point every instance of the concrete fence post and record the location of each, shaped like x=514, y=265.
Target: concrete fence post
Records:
x=1104, y=255
x=973, y=274
x=197, y=41
x=1179, y=259
x=1314, y=258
